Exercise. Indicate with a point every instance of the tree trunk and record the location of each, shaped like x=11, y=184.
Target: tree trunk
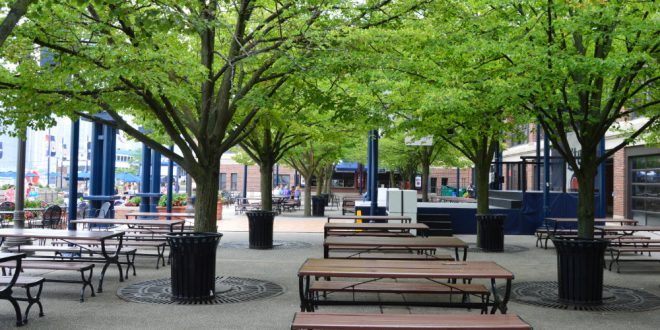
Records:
x=482, y=169
x=391, y=179
x=425, y=182
x=266, y=186
x=586, y=194
x=319, y=183
x=206, y=203
x=308, y=196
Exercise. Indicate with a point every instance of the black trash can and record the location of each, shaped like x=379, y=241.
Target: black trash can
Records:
x=490, y=228
x=193, y=265
x=326, y=199
x=261, y=229
x=318, y=206
x=580, y=264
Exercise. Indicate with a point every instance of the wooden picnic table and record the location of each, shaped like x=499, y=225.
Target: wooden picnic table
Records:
x=6, y=290
x=180, y=215
x=349, y=228
x=374, y=270
x=71, y=236
x=626, y=230
x=367, y=244
x=367, y=218
x=132, y=223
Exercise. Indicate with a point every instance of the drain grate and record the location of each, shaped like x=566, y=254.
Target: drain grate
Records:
x=472, y=248
x=239, y=290
x=276, y=245
x=615, y=299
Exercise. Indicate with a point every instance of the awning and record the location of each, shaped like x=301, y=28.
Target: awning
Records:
x=346, y=167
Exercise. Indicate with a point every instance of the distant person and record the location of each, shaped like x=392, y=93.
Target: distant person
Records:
x=10, y=194
x=28, y=190
x=296, y=193
x=285, y=191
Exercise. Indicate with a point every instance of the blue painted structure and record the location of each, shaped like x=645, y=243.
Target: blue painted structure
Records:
x=102, y=173
x=146, y=178
x=373, y=171
x=73, y=177
x=155, y=181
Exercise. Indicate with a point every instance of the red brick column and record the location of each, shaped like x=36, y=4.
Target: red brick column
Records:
x=619, y=189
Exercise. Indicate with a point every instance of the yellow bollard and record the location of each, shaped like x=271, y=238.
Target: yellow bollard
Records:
x=358, y=213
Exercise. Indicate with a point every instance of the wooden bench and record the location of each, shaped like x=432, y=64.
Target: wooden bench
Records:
x=368, y=249
x=616, y=251
x=348, y=205
x=353, y=321
x=81, y=267
x=27, y=283
x=394, y=256
x=77, y=252
x=368, y=233
x=464, y=290
x=159, y=245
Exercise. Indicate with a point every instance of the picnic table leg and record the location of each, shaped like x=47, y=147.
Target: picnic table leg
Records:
x=500, y=304
x=464, y=253
x=5, y=293
x=302, y=293
x=114, y=259
x=326, y=251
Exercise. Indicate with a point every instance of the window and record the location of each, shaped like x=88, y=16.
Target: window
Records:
x=284, y=180
x=645, y=189
x=343, y=180
x=223, y=181
x=520, y=137
x=234, y=182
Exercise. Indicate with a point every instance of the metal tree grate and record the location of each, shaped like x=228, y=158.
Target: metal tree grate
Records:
x=241, y=290
x=276, y=245
x=472, y=248
x=615, y=299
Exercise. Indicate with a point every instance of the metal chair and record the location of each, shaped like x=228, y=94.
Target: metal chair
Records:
x=104, y=211
x=4, y=219
x=52, y=217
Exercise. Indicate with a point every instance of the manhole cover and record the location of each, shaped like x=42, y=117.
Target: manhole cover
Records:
x=228, y=290
x=276, y=245
x=472, y=248
x=615, y=299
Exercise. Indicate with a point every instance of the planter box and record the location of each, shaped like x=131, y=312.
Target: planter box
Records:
x=121, y=211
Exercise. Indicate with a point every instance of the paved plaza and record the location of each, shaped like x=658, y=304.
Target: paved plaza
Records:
x=301, y=238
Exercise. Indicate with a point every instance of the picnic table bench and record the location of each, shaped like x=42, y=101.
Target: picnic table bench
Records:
x=355, y=321
x=244, y=205
x=27, y=283
x=370, y=218
x=372, y=229
x=86, y=271
x=552, y=227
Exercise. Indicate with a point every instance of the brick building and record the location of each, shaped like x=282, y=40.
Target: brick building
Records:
x=632, y=175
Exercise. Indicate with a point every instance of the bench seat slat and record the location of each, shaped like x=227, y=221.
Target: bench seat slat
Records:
x=22, y=280
x=335, y=321
x=393, y=256
x=50, y=265
x=398, y=287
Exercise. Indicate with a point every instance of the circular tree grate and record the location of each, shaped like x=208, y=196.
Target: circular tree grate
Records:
x=239, y=290
x=276, y=245
x=472, y=248
x=615, y=299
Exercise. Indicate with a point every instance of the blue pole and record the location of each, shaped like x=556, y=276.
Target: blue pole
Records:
x=245, y=175
x=73, y=173
x=144, y=181
x=546, y=174
x=370, y=165
x=601, y=208
x=96, y=173
x=155, y=179
x=109, y=157
x=458, y=182
x=537, y=182
x=374, y=173
x=170, y=180
x=277, y=174
x=48, y=165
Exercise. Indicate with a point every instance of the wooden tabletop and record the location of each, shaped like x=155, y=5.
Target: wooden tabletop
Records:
x=606, y=220
x=135, y=222
x=402, y=269
x=157, y=214
x=628, y=228
x=10, y=256
x=408, y=242
x=376, y=226
x=369, y=217
x=59, y=234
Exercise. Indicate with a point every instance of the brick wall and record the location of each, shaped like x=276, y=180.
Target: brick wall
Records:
x=619, y=188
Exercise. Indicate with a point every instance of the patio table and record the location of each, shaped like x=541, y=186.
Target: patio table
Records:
x=71, y=236
x=349, y=228
x=367, y=218
x=374, y=270
x=137, y=223
x=367, y=244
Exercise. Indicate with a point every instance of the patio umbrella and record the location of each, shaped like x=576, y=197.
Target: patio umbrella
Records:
x=127, y=177
x=8, y=174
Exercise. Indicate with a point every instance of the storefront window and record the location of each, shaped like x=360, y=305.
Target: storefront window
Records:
x=343, y=180
x=645, y=189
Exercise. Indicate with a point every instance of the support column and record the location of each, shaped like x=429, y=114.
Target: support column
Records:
x=370, y=165
x=145, y=178
x=109, y=157
x=245, y=176
x=458, y=182
x=96, y=171
x=537, y=172
x=73, y=174
x=546, y=174
x=155, y=180
x=170, y=180
x=373, y=136
x=601, y=203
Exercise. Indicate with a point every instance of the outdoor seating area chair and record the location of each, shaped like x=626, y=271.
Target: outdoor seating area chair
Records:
x=4, y=219
x=51, y=218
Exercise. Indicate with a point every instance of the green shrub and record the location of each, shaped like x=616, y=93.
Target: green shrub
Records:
x=133, y=201
x=177, y=200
